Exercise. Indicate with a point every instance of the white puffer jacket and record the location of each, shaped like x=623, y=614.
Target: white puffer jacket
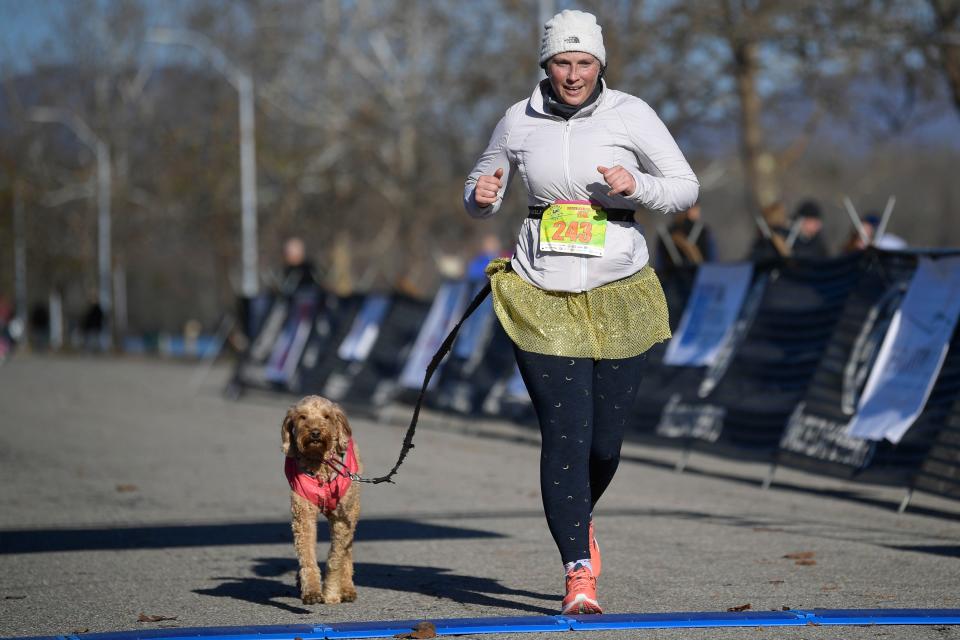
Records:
x=558, y=160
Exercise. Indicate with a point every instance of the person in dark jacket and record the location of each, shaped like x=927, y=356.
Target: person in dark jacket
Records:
x=770, y=248
x=809, y=242
x=800, y=239
x=298, y=272
x=693, y=241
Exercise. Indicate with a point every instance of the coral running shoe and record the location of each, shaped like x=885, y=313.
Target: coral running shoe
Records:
x=581, y=592
x=594, y=553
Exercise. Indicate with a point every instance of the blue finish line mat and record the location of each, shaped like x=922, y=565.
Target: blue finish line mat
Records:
x=464, y=626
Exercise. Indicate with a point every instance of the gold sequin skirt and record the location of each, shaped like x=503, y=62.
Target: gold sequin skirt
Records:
x=618, y=320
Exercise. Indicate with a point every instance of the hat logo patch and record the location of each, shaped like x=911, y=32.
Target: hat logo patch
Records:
x=571, y=40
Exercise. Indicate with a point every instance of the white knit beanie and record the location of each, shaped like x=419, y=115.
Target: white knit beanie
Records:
x=572, y=31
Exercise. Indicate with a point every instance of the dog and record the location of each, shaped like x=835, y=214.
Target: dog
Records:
x=320, y=455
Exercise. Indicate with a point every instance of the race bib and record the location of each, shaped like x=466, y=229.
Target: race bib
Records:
x=573, y=226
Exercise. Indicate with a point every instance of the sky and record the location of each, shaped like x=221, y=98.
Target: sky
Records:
x=25, y=26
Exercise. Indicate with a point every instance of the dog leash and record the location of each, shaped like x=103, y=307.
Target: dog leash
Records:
x=431, y=368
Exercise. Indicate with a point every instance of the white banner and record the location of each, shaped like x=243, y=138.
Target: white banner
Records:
x=710, y=314
x=447, y=308
x=912, y=353
x=365, y=329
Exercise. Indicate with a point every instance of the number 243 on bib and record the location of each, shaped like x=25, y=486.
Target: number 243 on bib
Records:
x=573, y=226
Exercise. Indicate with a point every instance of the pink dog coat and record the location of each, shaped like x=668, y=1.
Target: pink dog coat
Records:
x=326, y=495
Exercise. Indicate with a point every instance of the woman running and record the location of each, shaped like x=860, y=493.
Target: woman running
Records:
x=578, y=299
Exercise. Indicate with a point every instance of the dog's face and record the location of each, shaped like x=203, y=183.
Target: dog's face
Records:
x=315, y=428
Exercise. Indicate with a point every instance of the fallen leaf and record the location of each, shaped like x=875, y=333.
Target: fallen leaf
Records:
x=811, y=623
x=14, y=597
x=78, y=631
x=830, y=587
x=784, y=608
x=145, y=618
x=126, y=488
x=881, y=596
x=774, y=581
x=803, y=558
x=742, y=607
x=422, y=630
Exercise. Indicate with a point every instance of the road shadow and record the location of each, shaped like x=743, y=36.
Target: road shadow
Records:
x=258, y=591
x=215, y=535
x=275, y=582
x=948, y=551
x=857, y=493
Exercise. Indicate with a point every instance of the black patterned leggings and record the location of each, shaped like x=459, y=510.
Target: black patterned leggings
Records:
x=583, y=406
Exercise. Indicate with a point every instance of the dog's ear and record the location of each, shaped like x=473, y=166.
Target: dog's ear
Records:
x=344, y=432
x=286, y=432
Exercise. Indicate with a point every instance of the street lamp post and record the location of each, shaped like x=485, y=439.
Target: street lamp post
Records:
x=248, y=186
x=104, y=181
x=545, y=10
x=20, y=259
x=243, y=83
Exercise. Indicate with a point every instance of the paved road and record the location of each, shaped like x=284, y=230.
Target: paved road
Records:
x=125, y=490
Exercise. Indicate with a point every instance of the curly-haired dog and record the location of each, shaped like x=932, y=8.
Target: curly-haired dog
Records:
x=321, y=454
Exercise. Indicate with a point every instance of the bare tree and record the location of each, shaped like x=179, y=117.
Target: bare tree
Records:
x=369, y=115
x=947, y=43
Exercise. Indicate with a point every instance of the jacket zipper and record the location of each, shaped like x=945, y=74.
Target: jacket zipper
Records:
x=566, y=175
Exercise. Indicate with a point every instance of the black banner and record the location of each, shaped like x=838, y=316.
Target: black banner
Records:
x=815, y=438
x=741, y=404
x=372, y=381
x=482, y=357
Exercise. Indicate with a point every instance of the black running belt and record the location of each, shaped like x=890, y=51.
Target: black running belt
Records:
x=431, y=368
x=614, y=215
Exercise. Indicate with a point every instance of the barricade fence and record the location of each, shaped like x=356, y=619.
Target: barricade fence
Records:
x=776, y=361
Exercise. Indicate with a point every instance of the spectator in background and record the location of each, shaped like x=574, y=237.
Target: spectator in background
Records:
x=693, y=241
x=91, y=324
x=298, y=271
x=805, y=231
x=809, y=241
x=774, y=247
x=871, y=222
x=39, y=326
x=6, y=317
x=490, y=248
x=6, y=311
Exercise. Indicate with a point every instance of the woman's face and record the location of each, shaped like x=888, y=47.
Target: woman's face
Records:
x=574, y=76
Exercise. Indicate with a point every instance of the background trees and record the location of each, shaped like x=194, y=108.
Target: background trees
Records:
x=369, y=114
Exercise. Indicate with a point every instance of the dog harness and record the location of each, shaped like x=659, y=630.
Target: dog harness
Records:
x=326, y=495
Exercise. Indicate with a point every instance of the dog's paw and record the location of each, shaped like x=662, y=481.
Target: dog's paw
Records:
x=332, y=598
x=348, y=594
x=311, y=597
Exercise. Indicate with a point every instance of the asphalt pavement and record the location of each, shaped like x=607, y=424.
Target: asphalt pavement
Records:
x=126, y=488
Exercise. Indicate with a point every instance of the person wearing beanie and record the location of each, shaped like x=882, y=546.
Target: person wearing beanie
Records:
x=578, y=298
x=871, y=223
x=809, y=242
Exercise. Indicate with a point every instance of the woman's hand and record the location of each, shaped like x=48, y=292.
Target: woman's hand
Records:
x=487, y=189
x=619, y=180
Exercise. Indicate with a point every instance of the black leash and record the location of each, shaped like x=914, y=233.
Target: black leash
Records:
x=431, y=368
